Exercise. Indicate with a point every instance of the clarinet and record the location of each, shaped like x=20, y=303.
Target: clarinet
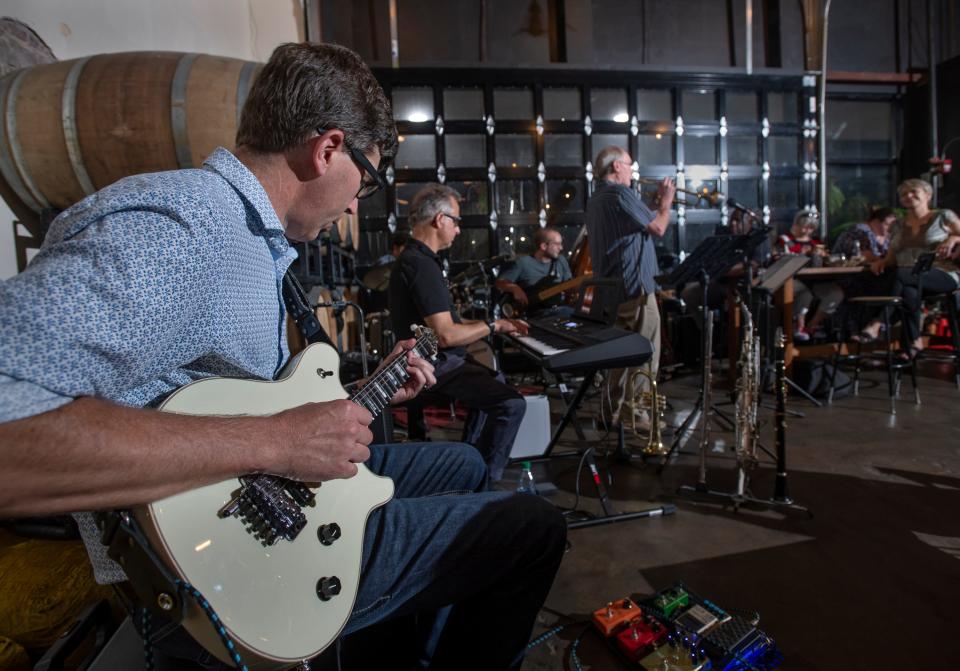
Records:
x=705, y=399
x=780, y=491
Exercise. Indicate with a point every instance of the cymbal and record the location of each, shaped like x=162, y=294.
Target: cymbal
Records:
x=378, y=278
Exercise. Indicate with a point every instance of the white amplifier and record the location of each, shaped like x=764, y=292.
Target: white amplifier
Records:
x=534, y=434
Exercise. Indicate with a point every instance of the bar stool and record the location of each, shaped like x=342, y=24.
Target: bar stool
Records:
x=950, y=302
x=889, y=305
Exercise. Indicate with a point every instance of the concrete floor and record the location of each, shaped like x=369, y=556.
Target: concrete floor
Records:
x=871, y=581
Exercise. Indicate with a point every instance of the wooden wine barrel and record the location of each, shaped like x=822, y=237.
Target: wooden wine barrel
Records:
x=348, y=228
x=73, y=127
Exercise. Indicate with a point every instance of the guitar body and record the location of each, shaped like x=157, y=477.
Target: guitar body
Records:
x=265, y=595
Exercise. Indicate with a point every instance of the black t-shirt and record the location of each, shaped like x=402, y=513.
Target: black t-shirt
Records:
x=418, y=289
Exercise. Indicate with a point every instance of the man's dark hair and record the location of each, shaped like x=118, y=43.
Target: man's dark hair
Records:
x=543, y=235
x=880, y=213
x=399, y=239
x=307, y=86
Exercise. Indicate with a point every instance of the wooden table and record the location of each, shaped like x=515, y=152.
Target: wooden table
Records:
x=784, y=300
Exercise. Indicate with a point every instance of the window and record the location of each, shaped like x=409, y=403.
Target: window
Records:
x=561, y=104
x=463, y=104
x=513, y=103
x=466, y=151
x=413, y=104
x=858, y=130
x=741, y=107
x=416, y=151
x=654, y=105
x=699, y=105
x=609, y=105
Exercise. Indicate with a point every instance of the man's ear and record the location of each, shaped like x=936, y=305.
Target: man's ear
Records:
x=323, y=149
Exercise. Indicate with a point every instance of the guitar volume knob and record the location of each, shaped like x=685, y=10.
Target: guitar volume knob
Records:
x=327, y=588
x=327, y=533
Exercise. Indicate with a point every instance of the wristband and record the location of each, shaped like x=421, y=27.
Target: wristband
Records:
x=492, y=325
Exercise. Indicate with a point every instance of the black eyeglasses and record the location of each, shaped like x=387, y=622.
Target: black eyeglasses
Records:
x=367, y=188
x=454, y=217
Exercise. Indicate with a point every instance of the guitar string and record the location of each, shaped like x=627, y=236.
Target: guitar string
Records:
x=396, y=366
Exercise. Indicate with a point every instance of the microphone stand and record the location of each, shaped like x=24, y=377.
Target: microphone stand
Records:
x=339, y=306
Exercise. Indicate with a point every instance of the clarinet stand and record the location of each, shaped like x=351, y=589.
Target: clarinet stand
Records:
x=743, y=495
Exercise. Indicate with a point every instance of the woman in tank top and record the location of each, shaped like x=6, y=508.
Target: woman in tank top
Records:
x=923, y=230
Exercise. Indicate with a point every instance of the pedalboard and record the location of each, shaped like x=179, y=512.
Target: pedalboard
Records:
x=677, y=630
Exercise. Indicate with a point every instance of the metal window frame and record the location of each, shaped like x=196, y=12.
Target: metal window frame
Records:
x=488, y=80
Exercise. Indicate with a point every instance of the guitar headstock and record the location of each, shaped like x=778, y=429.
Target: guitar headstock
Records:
x=426, y=341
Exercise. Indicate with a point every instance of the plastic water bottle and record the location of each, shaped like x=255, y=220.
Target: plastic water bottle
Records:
x=856, y=249
x=527, y=485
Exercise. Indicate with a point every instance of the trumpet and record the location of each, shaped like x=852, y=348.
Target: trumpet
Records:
x=653, y=401
x=712, y=197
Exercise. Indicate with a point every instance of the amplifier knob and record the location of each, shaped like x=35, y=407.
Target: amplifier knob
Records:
x=327, y=588
x=327, y=533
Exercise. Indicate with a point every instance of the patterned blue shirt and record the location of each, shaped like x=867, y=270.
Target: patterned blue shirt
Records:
x=153, y=282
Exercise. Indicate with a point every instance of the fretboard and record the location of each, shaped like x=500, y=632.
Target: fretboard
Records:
x=378, y=391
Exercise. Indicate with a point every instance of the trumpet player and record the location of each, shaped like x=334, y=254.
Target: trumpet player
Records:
x=621, y=231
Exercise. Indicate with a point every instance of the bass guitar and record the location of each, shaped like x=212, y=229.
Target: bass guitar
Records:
x=277, y=561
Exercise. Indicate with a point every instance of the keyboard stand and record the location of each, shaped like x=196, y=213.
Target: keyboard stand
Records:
x=570, y=414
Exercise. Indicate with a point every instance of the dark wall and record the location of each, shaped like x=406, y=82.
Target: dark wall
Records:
x=864, y=35
x=916, y=145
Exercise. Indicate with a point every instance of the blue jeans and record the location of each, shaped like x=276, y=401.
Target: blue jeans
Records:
x=496, y=409
x=443, y=542
x=486, y=559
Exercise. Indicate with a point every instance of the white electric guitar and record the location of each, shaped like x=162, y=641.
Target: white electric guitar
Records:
x=278, y=561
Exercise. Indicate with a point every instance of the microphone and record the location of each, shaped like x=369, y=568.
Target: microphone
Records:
x=743, y=208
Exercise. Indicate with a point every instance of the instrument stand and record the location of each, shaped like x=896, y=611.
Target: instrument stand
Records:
x=781, y=499
x=738, y=500
x=570, y=414
x=766, y=304
x=703, y=408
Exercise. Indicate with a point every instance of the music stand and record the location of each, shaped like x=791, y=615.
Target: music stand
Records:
x=714, y=257
x=776, y=276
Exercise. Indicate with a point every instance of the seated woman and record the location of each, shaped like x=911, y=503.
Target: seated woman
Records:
x=923, y=230
x=799, y=240
x=868, y=241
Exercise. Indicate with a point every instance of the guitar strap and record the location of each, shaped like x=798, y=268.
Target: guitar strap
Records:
x=295, y=299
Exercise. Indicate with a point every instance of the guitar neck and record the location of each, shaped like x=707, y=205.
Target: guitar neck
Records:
x=376, y=394
x=563, y=286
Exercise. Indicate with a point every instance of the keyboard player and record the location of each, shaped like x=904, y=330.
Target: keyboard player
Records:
x=418, y=294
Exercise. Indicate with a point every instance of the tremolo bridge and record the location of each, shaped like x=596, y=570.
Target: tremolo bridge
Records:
x=271, y=507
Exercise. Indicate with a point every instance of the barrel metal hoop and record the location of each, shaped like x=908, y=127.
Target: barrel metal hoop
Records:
x=11, y=158
x=243, y=86
x=178, y=110
x=68, y=114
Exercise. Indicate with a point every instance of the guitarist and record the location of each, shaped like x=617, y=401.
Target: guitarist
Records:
x=166, y=278
x=526, y=276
